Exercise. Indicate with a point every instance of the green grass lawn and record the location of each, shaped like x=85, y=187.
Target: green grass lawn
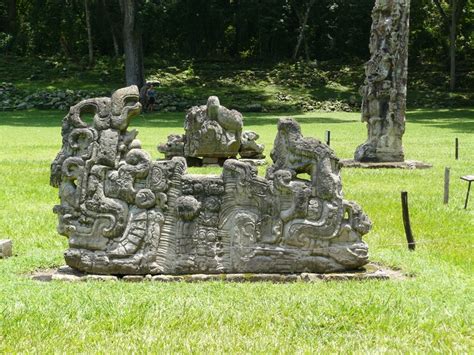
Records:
x=430, y=312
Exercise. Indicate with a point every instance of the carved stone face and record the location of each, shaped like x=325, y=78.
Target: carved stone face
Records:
x=187, y=207
x=145, y=198
x=125, y=97
x=282, y=178
x=212, y=204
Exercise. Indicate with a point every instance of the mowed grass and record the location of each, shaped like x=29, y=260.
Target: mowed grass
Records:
x=429, y=312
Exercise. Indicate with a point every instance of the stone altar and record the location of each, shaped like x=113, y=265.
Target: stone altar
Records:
x=213, y=133
x=125, y=214
x=385, y=87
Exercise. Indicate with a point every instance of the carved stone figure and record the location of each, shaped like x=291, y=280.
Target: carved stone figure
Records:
x=214, y=133
x=126, y=214
x=385, y=87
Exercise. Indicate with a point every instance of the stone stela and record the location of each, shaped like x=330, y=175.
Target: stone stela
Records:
x=125, y=214
x=212, y=135
x=385, y=87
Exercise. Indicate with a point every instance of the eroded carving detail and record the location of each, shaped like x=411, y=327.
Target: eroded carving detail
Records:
x=127, y=214
x=385, y=87
x=214, y=133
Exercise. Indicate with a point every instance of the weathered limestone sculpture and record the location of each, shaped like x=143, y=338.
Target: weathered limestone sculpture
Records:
x=126, y=214
x=214, y=133
x=385, y=87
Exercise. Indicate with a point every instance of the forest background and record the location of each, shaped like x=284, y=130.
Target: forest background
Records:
x=195, y=47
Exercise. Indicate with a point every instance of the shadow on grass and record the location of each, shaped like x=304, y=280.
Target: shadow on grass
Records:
x=272, y=118
x=32, y=118
x=458, y=120
x=38, y=118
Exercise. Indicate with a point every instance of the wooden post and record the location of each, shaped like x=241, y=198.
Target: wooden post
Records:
x=469, y=179
x=456, y=148
x=446, y=185
x=467, y=196
x=328, y=137
x=406, y=221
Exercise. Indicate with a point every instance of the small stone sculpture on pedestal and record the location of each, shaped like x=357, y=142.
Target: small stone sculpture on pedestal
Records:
x=214, y=133
x=126, y=214
x=385, y=88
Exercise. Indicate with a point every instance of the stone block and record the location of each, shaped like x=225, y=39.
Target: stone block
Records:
x=167, y=278
x=6, y=248
x=101, y=278
x=134, y=278
x=67, y=273
x=67, y=277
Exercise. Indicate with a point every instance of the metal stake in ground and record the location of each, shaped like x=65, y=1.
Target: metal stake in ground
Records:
x=406, y=221
x=446, y=185
x=456, y=148
x=469, y=179
x=328, y=137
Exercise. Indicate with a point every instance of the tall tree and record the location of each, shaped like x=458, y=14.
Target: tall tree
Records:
x=451, y=19
x=12, y=15
x=89, y=32
x=12, y=25
x=132, y=43
x=303, y=20
x=111, y=26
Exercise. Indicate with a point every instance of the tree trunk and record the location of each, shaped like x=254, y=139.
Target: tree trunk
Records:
x=11, y=26
x=132, y=44
x=115, y=42
x=452, y=54
x=89, y=32
x=65, y=45
x=456, y=7
x=456, y=11
x=306, y=49
x=112, y=29
x=303, y=22
x=11, y=13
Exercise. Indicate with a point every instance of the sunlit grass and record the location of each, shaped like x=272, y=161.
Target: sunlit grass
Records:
x=431, y=312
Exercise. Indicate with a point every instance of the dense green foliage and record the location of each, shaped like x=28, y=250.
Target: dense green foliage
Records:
x=429, y=312
x=248, y=87
x=266, y=30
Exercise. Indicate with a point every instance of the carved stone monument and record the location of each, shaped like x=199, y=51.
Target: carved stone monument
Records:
x=125, y=214
x=214, y=133
x=385, y=87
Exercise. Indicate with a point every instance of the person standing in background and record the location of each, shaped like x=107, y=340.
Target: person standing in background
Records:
x=143, y=96
x=151, y=98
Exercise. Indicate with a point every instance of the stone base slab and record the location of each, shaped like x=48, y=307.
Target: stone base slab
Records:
x=369, y=272
x=6, y=248
x=407, y=164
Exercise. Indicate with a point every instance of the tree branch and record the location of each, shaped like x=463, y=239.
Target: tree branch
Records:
x=460, y=7
x=441, y=11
